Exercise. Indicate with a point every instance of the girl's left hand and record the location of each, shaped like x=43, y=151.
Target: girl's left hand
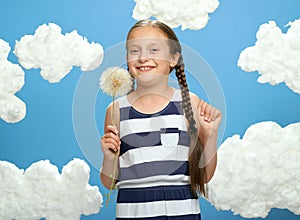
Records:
x=209, y=115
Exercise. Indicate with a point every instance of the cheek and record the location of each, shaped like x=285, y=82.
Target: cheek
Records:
x=164, y=64
x=130, y=64
x=163, y=57
x=132, y=58
x=131, y=68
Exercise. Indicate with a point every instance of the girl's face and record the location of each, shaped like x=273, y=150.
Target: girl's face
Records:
x=148, y=52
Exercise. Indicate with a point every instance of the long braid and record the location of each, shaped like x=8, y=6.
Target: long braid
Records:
x=197, y=174
x=185, y=97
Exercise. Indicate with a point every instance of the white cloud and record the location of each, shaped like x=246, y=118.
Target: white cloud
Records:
x=259, y=171
x=12, y=109
x=55, y=53
x=41, y=192
x=191, y=14
x=276, y=55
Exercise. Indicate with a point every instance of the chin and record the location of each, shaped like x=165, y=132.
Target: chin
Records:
x=147, y=77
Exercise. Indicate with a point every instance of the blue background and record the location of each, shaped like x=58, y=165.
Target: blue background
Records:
x=47, y=131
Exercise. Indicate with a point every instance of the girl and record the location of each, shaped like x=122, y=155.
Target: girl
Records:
x=165, y=138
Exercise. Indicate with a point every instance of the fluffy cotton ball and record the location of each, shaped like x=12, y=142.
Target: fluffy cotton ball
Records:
x=275, y=55
x=259, y=171
x=41, y=192
x=11, y=186
x=56, y=54
x=12, y=109
x=192, y=14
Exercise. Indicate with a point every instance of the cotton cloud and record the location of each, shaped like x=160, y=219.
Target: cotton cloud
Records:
x=12, y=109
x=55, y=53
x=41, y=192
x=259, y=171
x=276, y=55
x=191, y=14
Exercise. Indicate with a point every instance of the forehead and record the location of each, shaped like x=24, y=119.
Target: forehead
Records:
x=147, y=36
x=147, y=32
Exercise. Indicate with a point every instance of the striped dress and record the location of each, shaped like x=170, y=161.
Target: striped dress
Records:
x=154, y=175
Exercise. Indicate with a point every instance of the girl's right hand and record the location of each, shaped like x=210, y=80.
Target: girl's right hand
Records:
x=110, y=142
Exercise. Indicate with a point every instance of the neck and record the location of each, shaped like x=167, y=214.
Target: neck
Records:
x=159, y=89
x=152, y=83
x=158, y=86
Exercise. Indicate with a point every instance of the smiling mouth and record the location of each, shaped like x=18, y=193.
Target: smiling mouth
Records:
x=145, y=68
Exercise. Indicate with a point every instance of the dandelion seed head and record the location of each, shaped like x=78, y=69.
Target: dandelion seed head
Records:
x=116, y=81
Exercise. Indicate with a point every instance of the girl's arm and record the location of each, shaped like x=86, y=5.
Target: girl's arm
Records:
x=110, y=143
x=208, y=120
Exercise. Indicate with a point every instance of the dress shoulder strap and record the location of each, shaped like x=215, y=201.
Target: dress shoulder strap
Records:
x=123, y=101
x=177, y=96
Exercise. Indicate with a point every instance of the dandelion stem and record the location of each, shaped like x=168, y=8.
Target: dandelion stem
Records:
x=113, y=179
x=113, y=176
x=113, y=111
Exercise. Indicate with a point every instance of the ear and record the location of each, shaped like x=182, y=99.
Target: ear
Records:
x=174, y=59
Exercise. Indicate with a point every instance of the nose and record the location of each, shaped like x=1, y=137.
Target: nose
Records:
x=144, y=56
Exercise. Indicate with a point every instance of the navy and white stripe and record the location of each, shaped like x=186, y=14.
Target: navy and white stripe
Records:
x=154, y=175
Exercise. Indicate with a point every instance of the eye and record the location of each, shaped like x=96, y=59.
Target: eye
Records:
x=134, y=51
x=154, y=50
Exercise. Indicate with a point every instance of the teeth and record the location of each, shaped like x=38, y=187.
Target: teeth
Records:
x=145, y=68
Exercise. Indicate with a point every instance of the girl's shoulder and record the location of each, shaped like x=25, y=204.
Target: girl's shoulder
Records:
x=122, y=101
x=194, y=98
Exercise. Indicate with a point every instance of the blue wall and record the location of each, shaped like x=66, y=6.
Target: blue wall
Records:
x=47, y=131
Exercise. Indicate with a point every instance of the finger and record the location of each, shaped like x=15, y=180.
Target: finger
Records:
x=111, y=141
x=207, y=115
x=111, y=135
x=203, y=108
x=112, y=147
x=216, y=114
x=111, y=128
x=200, y=107
x=212, y=114
x=109, y=144
x=111, y=138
